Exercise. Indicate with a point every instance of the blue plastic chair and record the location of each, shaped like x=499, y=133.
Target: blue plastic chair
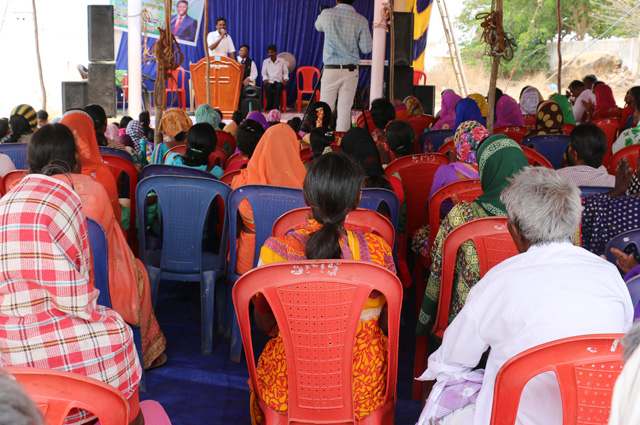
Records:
x=371, y=200
x=551, y=146
x=173, y=170
x=436, y=137
x=586, y=191
x=17, y=152
x=633, y=285
x=116, y=152
x=268, y=203
x=621, y=241
x=98, y=241
x=184, y=204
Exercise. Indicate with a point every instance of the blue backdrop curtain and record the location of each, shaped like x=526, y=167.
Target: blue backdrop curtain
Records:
x=289, y=24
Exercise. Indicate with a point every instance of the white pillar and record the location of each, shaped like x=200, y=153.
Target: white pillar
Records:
x=379, y=52
x=135, y=57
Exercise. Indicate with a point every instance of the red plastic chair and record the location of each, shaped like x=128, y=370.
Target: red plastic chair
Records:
x=119, y=165
x=612, y=112
x=317, y=305
x=630, y=152
x=227, y=178
x=283, y=101
x=363, y=220
x=361, y=118
x=305, y=154
x=611, y=128
x=416, y=173
x=535, y=158
x=181, y=149
x=586, y=366
x=236, y=157
x=420, y=123
x=530, y=121
x=515, y=132
x=568, y=128
x=417, y=76
x=226, y=142
x=449, y=146
x=218, y=157
x=306, y=74
x=11, y=179
x=174, y=87
x=56, y=393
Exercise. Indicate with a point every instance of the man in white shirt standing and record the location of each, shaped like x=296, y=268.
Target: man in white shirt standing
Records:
x=580, y=97
x=250, y=68
x=551, y=290
x=275, y=76
x=220, y=42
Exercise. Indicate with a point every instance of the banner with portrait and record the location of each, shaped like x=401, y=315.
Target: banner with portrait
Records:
x=186, y=18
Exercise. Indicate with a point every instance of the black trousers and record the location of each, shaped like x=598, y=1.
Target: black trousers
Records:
x=273, y=92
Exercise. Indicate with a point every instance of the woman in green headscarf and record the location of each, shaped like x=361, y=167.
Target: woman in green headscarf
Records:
x=565, y=107
x=499, y=158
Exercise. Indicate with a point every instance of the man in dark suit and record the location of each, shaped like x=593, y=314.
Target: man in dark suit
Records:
x=183, y=26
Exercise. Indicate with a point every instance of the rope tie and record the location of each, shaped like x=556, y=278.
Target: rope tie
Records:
x=499, y=43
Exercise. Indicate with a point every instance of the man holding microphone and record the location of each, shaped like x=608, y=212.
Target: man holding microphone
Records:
x=219, y=41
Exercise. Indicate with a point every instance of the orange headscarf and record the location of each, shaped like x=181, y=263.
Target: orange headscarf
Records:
x=275, y=161
x=82, y=127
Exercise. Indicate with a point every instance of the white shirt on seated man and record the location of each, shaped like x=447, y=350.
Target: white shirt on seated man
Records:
x=551, y=290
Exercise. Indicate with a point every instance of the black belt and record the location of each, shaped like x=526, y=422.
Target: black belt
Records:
x=350, y=67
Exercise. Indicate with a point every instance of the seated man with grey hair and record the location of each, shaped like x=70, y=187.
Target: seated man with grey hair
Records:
x=550, y=290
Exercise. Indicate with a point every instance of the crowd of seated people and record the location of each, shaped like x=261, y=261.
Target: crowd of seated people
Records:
x=67, y=176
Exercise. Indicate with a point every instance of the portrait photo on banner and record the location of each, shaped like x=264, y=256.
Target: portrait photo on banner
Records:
x=186, y=18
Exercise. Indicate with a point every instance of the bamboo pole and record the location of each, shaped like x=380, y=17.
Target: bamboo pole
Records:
x=206, y=49
x=559, y=49
x=42, y=88
x=494, y=76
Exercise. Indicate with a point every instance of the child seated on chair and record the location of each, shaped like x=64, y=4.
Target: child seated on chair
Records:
x=201, y=142
x=332, y=189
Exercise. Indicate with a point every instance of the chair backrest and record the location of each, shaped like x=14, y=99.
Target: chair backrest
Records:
x=373, y=197
x=305, y=154
x=361, y=219
x=568, y=128
x=267, y=204
x=621, y=242
x=436, y=137
x=418, y=75
x=125, y=86
x=176, y=75
x=119, y=165
x=180, y=149
x=56, y=393
x=99, y=255
x=116, y=152
x=449, y=146
x=17, y=152
x=172, y=170
x=611, y=128
x=611, y=112
x=226, y=142
x=586, y=191
x=319, y=337
x=308, y=75
x=530, y=121
x=551, y=146
x=515, y=132
x=633, y=285
x=493, y=244
x=236, y=157
x=218, y=157
x=361, y=118
x=630, y=152
x=420, y=123
x=535, y=158
x=227, y=177
x=184, y=202
x=11, y=179
x=459, y=191
x=416, y=173
x=586, y=367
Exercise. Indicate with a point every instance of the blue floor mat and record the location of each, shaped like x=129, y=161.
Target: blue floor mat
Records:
x=198, y=389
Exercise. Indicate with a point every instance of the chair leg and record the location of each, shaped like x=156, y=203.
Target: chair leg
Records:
x=419, y=365
x=154, y=282
x=207, y=291
x=299, y=102
x=221, y=307
x=236, y=341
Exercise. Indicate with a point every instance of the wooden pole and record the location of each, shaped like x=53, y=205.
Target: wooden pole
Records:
x=206, y=48
x=42, y=88
x=559, y=50
x=494, y=76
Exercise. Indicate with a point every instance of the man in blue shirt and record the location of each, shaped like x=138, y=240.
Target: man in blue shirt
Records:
x=346, y=36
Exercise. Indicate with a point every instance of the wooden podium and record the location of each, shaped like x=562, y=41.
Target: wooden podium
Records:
x=226, y=83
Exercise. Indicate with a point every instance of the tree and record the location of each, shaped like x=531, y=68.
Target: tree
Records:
x=580, y=18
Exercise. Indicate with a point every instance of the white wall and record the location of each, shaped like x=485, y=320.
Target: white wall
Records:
x=63, y=45
x=628, y=51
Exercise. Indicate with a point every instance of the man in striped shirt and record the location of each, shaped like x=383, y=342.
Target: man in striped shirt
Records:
x=346, y=35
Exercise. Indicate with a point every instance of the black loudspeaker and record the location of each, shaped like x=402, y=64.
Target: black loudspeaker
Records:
x=427, y=97
x=402, y=82
x=250, y=99
x=101, y=33
x=74, y=94
x=102, y=86
x=403, y=32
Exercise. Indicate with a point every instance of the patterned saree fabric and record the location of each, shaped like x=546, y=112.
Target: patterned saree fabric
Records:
x=529, y=100
x=371, y=345
x=48, y=312
x=174, y=121
x=482, y=103
x=549, y=119
x=414, y=107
